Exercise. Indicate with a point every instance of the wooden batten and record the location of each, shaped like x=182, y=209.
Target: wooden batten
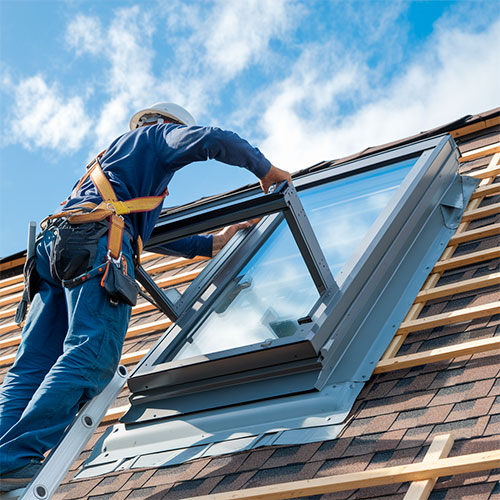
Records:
x=467, y=259
x=440, y=354
x=459, y=287
x=475, y=127
x=485, y=173
x=481, y=212
x=480, y=152
x=449, y=318
x=475, y=234
x=439, y=448
x=421, y=471
x=11, y=264
x=18, y=278
x=487, y=190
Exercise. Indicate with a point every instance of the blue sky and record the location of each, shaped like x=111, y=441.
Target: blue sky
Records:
x=305, y=81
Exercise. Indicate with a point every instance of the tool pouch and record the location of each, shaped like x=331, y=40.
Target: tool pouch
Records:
x=119, y=286
x=31, y=285
x=74, y=249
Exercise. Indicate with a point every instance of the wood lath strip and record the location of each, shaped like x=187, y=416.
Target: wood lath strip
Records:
x=7, y=290
x=467, y=259
x=475, y=127
x=142, y=308
x=126, y=359
x=422, y=471
x=149, y=256
x=439, y=448
x=449, y=318
x=481, y=212
x=447, y=260
x=114, y=414
x=459, y=287
x=7, y=313
x=440, y=354
x=10, y=299
x=485, y=173
x=18, y=278
x=132, y=332
x=158, y=268
x=178, y=279
x=153, y=326
x=488, y=190
x=5, y=266
x=174, y=264
x=15, y=284
x=7, y=327
x=480, y=152
x=133, y=357
x=10, y=341
x=138, y=309
x=163, y=283
x=7, y=360
x=475, y=234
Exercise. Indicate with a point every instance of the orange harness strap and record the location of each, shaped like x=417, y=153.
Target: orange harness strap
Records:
x=110, y=208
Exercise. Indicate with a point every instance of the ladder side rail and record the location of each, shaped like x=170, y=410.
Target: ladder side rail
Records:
x=76, y=436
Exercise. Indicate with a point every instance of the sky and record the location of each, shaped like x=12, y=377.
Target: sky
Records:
x=304, y=81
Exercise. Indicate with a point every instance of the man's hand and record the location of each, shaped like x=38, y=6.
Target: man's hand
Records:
x=224, y=235
x=274, y=176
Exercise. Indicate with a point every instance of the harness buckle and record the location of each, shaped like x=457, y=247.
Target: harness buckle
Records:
x=117, y=262
x=117, y=207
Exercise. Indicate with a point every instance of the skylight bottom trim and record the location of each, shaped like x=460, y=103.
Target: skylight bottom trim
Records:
x=288, y=420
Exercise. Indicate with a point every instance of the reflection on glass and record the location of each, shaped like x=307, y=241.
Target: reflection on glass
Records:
x=274, y=290
x=342, y=211
x=264, y=300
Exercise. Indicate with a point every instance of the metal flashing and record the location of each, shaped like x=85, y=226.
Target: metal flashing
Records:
x=279, y=420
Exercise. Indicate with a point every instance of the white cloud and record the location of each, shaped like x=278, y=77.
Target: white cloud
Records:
x=129, y=79
x=239, y=31
x=42, y=117
x=334, y=98
x=84, y=34
x=456, y=74
x=208, y=43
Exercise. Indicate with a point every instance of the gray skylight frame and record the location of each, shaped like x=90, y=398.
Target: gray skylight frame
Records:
x=315, y=352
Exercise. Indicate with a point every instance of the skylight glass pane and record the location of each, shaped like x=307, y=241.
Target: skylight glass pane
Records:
x=264, y=300
x=274, y=290
x=341, y=212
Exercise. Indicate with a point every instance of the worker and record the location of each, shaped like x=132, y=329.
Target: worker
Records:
x=73, y=335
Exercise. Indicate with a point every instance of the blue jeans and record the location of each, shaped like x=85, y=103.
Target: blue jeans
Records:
x=70, y=349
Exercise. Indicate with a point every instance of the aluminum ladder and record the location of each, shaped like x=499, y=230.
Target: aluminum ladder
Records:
x=76, y=436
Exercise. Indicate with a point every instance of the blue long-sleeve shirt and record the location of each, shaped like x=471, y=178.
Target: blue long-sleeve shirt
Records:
x=143, y=161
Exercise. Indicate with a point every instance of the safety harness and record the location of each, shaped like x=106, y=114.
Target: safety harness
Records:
x=110, y=208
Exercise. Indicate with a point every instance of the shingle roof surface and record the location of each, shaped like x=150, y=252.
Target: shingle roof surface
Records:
x=392, y=422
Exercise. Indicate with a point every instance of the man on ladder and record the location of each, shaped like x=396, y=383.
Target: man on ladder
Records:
x=82, y=287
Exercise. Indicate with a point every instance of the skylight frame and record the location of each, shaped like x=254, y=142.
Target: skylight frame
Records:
x=309, y=347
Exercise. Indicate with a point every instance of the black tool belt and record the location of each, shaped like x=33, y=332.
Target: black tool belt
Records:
x=74, y=248
x=72, y=261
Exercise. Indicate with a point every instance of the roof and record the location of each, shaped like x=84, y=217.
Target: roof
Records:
x=397, y=413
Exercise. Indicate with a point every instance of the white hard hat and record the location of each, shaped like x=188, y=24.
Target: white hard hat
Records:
x=166, y=109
